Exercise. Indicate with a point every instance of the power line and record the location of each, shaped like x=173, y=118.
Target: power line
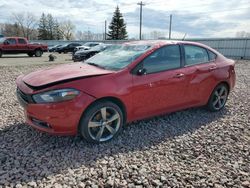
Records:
x=141, y=4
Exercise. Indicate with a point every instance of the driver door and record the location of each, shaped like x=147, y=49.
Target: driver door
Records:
x=10, y=45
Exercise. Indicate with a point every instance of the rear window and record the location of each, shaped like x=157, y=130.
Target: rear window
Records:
x=195, y=55
x=212, y=55
x=21, y=41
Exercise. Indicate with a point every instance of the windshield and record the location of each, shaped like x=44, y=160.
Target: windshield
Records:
x=98, y=47
x=2, y=40
x=64, y=45
x=118, y=56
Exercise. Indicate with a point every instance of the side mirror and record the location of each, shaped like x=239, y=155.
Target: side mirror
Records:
x=141, y=71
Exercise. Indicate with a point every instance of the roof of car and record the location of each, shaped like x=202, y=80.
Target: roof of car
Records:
x=161, y=42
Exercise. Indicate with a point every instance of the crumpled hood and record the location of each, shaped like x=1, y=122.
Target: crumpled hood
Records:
x=62, y=73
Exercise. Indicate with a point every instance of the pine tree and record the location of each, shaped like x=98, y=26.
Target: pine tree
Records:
x=58, y=35
x=117, y=27
x=42, y=28
x=50, y=26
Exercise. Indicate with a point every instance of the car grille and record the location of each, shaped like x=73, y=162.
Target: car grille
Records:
x=27, y=98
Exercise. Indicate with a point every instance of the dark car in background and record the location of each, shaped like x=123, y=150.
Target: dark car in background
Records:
x=82, y=55
x=54, y=48
x=67, y=47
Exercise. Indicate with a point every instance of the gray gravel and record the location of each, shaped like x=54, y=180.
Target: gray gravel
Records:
x=190, y=148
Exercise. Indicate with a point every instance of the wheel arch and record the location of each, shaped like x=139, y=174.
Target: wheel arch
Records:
x=225, y=83
x=221, y=82
x=38, y=48
x=115, y=100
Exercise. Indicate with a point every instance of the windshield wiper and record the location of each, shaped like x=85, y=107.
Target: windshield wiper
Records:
x=96, y=65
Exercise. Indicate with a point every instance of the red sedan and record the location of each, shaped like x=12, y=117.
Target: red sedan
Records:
x=127, y=82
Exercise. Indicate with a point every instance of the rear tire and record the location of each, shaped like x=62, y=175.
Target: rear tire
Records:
x=1, y=53
x=218, y=98
x=38, y=53
x=101, y=122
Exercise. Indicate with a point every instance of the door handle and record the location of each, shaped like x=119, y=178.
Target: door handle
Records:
x=212, y=68
x=179, y=75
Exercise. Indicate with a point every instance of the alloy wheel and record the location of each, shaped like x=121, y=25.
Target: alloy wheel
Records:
x=104, y=124
x=220, y=97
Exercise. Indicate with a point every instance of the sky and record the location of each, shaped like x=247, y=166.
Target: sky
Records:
x=195, y=18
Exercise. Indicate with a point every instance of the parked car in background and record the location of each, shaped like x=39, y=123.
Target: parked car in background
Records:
x=82, y=55
x=1, y=36
x=17, y=45
x=129, y=82
x=87, y=46
x=67, y=47
x=54, y=48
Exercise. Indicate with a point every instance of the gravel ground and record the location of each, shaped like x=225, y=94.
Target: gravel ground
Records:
x=24, y=59
x=190, y=148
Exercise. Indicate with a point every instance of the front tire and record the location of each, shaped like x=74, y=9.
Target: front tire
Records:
x=30, y=54
x=101, y=122
x=1, y=53
x=38, y=53
x=218, y=98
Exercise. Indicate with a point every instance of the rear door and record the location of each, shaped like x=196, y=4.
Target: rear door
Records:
x=163, y=85
x=22, y=45
x=201, y=78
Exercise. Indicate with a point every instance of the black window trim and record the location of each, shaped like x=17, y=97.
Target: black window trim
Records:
x=139, y=65
x=184, y=55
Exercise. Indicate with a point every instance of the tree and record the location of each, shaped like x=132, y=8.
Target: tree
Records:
x=49, y=28
x=42, y=28
x=67, y=28
x=117, y=27
x=242, y=34
x=58, y=35
x=27, y=22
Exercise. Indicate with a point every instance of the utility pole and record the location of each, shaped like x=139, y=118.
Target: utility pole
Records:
x=105, y=30
x=141, y=4
x=88, y=34
x=170, y=27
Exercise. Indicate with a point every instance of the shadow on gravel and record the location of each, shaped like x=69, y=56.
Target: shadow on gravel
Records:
x=27, y=155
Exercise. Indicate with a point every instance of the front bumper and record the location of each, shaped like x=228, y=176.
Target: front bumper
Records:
x=56, y=118
x=78, y=58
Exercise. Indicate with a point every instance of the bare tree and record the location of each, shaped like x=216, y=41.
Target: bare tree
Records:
x=80, y=35
x=243, y=34
x=156, y=34
x=67, y=28
x=9, y=30
x=27, y=22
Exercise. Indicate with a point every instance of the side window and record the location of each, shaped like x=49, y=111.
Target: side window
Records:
x=165, y=58
x=195, y=55
x=11, y=41
x=21, y=41
x=212, y=55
